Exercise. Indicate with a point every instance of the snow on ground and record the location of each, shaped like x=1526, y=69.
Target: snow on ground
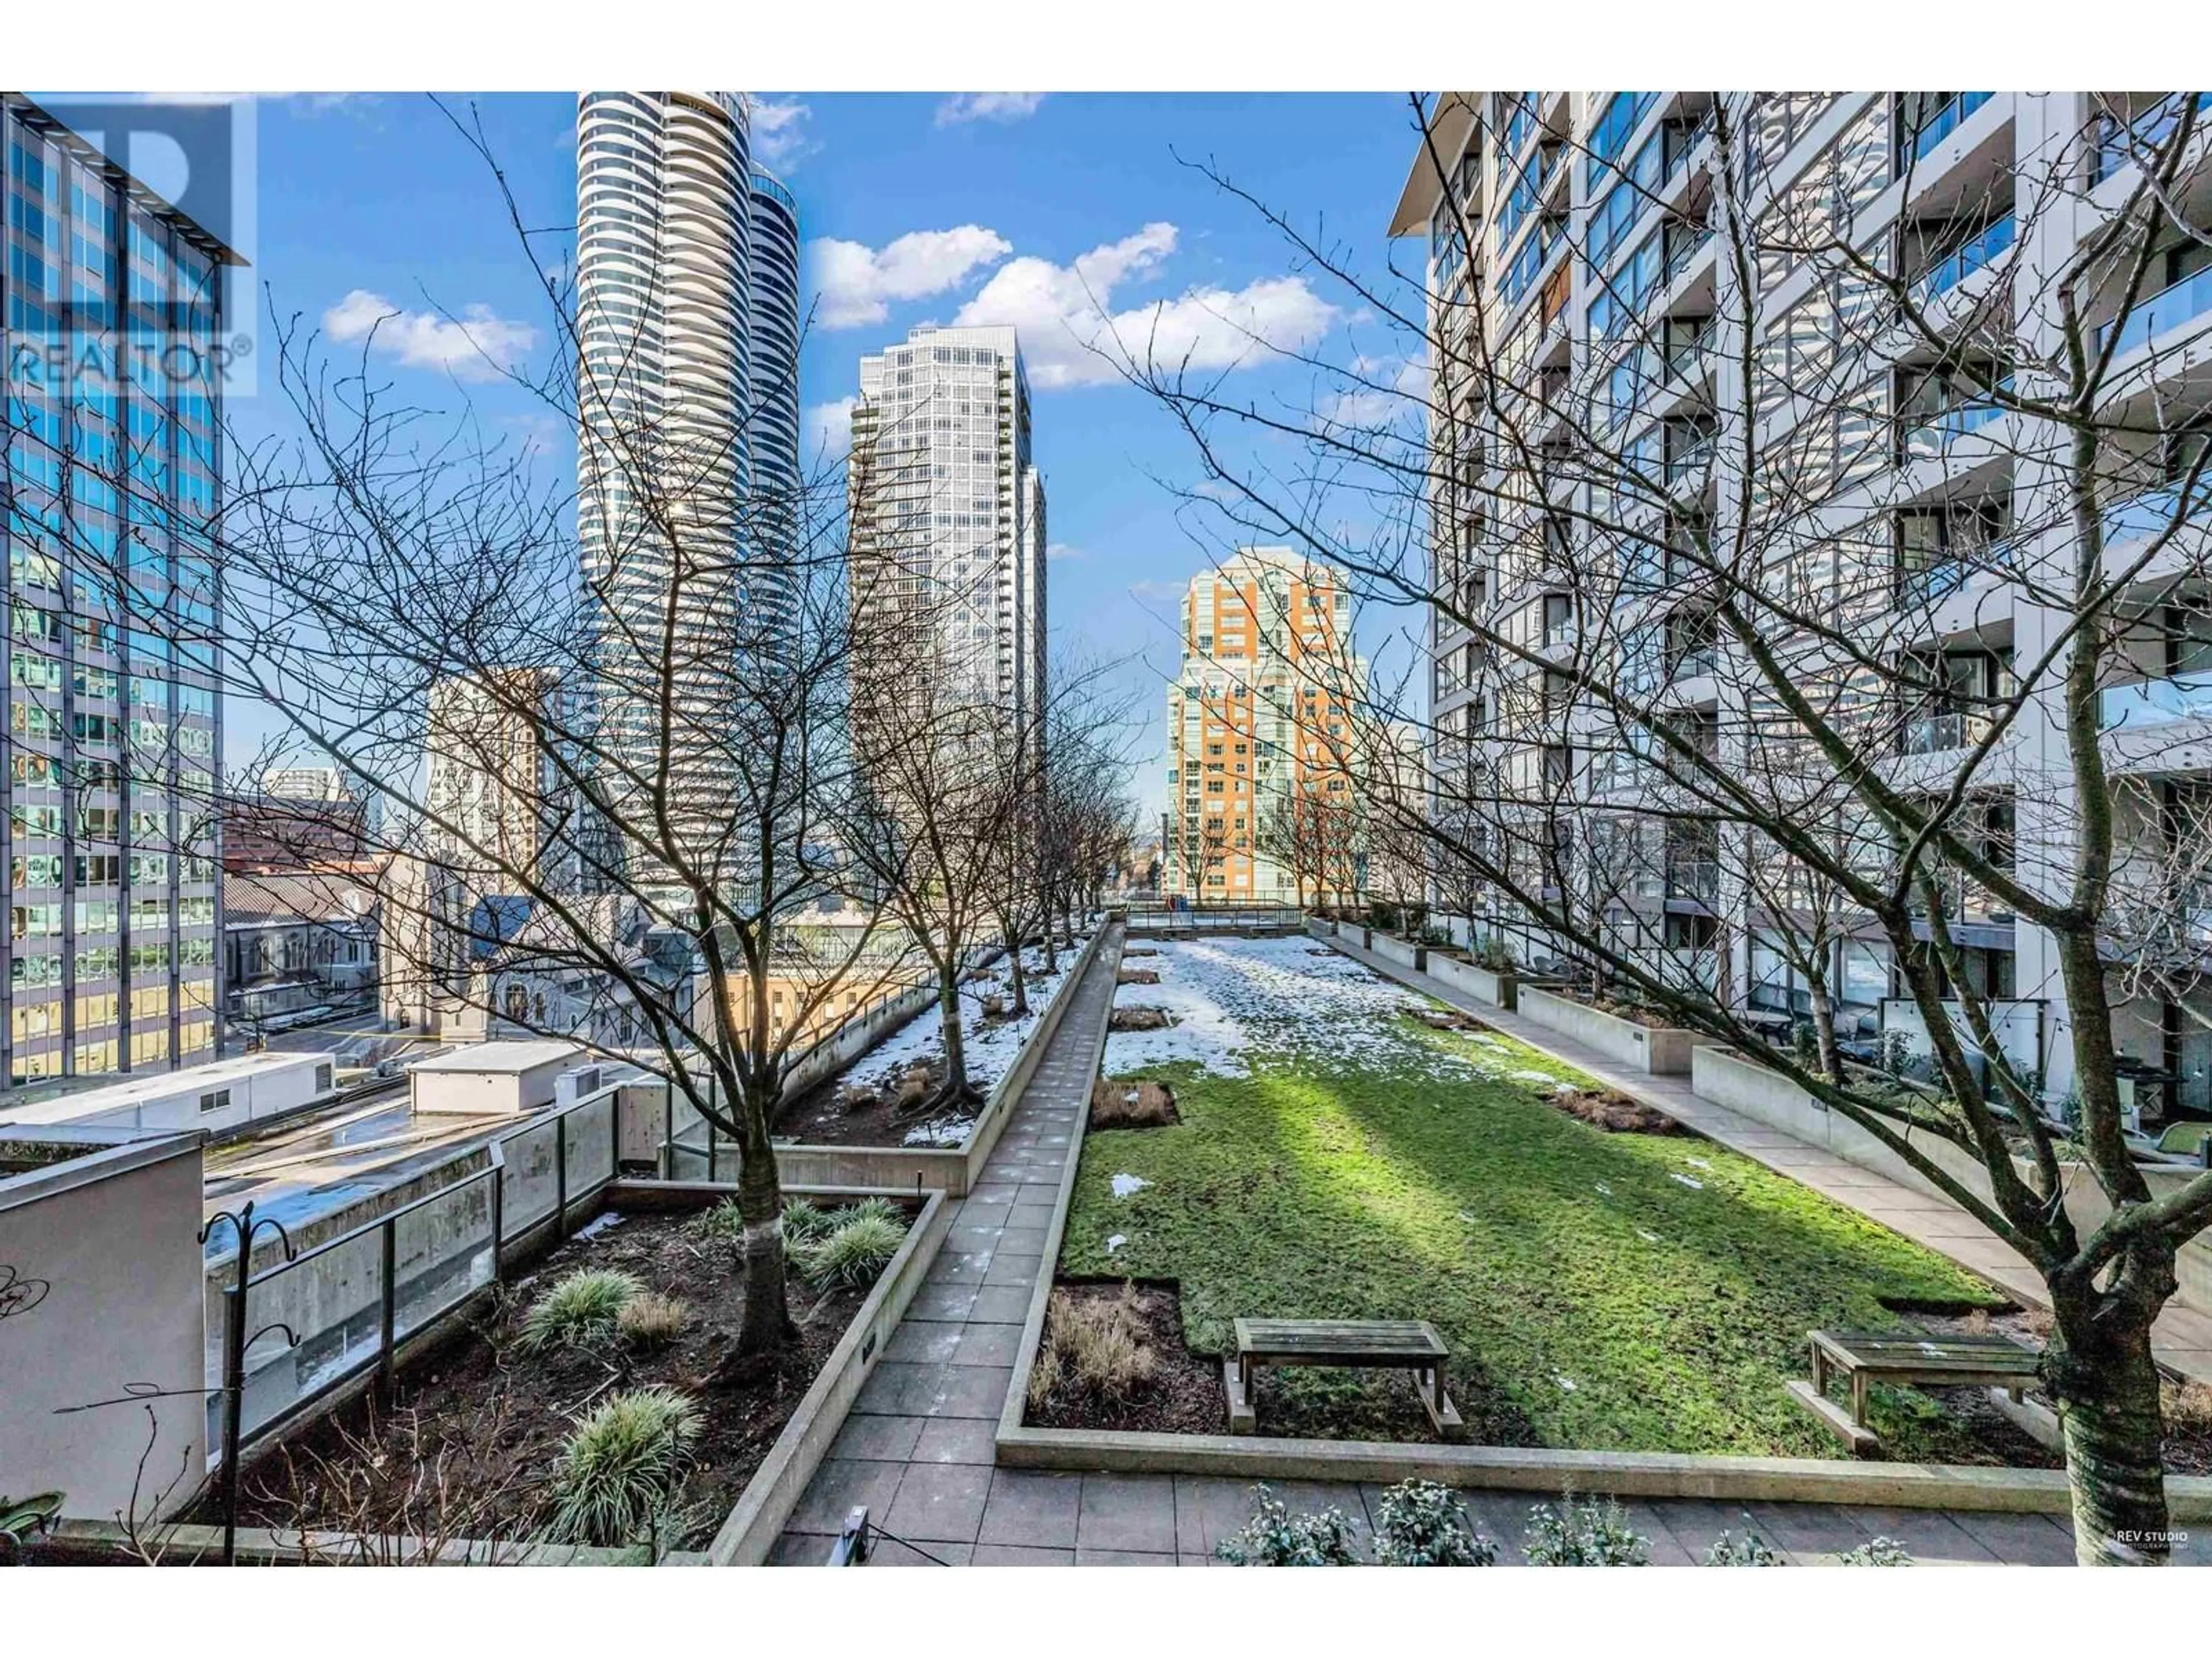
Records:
x=992, y=1045
x=1231, y=996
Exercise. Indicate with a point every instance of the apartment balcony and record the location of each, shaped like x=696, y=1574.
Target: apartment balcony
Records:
x=1917, y=147
x=1930, y=437
x=1942, y=734
x=2167, y=311
x=1978, y=254
x=2119, y=143
x=2157, y=702
x=1693, y=876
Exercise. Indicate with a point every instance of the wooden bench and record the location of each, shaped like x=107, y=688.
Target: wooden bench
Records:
x=1401, y=1344
x=1865, y=1357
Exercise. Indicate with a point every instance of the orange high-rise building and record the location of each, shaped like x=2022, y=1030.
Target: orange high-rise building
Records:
x=1263, y=805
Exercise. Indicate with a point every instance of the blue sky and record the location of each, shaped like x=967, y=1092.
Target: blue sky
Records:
x=915, y=208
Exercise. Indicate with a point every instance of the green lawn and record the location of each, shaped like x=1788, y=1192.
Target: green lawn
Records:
x=1588, y=1287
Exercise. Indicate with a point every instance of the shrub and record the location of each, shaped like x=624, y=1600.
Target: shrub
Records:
x=723, y=1224
x=1748, y=1551
x=1276, y=1538
x=872, y=1209
x=651, y=1320
x=1877, y=1552
x=804, y=1222
x=1493, y=955
x=1094, y=1349
x=581, y=1308
x=617, y=1470
x=853, y=1254
x=1420, y=1523
x=1583, y=1533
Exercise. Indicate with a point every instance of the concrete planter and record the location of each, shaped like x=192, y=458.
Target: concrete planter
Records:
x=1404, y=952
x=1499, y=990
x=1663, y=1053
x=947, y=1170
x=773, y=1491
x=1728, y=1079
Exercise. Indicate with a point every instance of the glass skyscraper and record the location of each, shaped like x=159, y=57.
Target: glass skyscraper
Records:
x=112, y=482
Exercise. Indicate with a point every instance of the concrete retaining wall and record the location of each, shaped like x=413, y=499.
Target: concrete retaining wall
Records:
x=945, y=1169
x=1404, y=952
x=1728, y=1079
x=1662, y=1053
x=1499, y=990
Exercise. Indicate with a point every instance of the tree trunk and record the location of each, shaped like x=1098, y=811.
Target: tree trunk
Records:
x=956, y=1043
x=766, y=1328
x=1051, y=944
x=1824, y=1028
x=2106, y=1384
x=1021, y=985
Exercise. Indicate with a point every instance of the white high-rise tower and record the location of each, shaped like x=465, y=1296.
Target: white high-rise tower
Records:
x=688, y=399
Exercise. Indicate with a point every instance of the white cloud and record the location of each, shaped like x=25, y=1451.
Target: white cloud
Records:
x=856, y=284
x=1056, y=551
x=779, y=136
x=476, y=345
x=1001, y=106
x=826, y=430
x=1063, y=312
x=1378, y=391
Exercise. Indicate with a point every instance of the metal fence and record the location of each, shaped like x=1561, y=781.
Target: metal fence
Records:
x=1223, y=919
x=297, y=1329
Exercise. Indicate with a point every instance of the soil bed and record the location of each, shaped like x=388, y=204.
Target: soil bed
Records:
x=839, y=1113
x=1614, y=1112
x=1132, y=1104
x=469, y=1444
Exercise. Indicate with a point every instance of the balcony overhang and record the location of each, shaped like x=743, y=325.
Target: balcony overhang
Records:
x=1450, y=122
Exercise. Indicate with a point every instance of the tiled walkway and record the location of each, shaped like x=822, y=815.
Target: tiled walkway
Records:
x=917, y=1449
x=2182, y=1338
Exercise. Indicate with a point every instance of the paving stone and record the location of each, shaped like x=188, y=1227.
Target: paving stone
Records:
x=924, y=1339
x=939, y=1501
x=838, y=1485
x=1016, y=1555
x=2036, y=1541
x=957, y=1440
x=967, y=1391
x=899, y=1388
x=1032, y=1506
x=1000, y=1305
x=959, y=1267
x=799, y=1549
x=893, y=1553
x=1030, y=1215
x=945, y=1302
x=878, y=1438
x=1931, y=1535
x=1129, y=1512
x=988, y=1345
x=1012, y=1270
x=1023, y=1241
x=989, y=1191
x=1124, y=1557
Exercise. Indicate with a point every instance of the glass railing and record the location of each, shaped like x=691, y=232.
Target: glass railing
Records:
x=1927, y=583
x=2148, y=512
x=2186, y=300
x=1938, y=734
x=1947, y=121
x=1683, y=241
x=2119, y=142
x=1937, y=432
x=2158, y=702
x=1978, y=254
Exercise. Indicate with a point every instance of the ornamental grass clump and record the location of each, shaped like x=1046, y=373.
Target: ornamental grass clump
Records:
x=854, y=1252
x=1583, y=1533
x=580, y=1309
x=1420, y=1523
x=805, y=1222
x=725, y=1224
x=650, y=1320
x=1276, y=1538
x=1094, y=1351
x=617, y=1471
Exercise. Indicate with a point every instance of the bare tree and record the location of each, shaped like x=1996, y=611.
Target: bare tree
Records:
x=1799, y=517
